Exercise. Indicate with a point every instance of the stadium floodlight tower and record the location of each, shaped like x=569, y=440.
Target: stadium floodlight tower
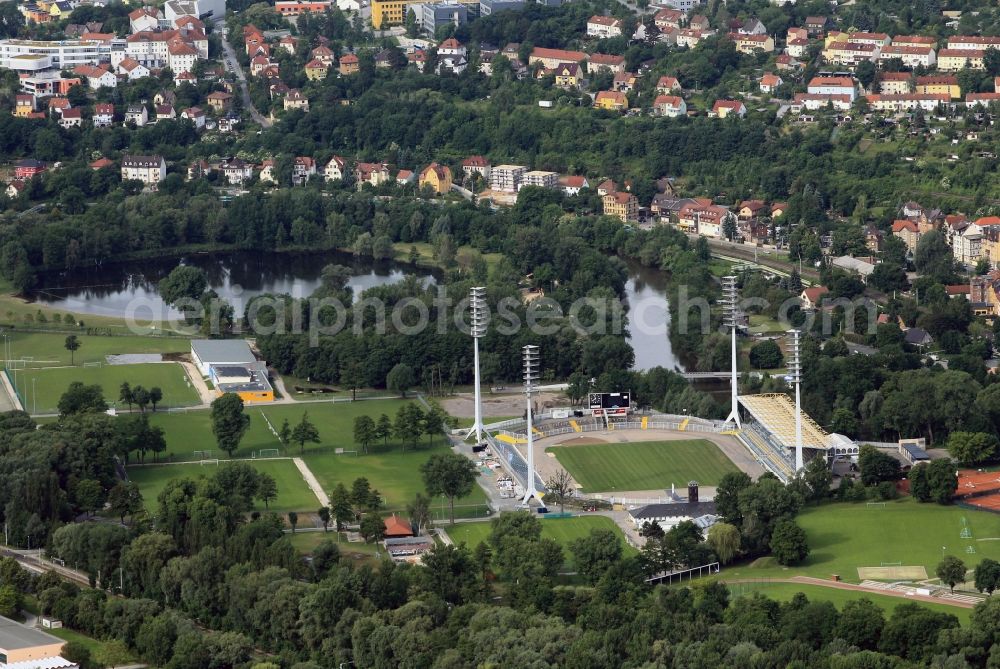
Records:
x=530, y=378
x=477, y=304
x=730, y=305
x=795, y=372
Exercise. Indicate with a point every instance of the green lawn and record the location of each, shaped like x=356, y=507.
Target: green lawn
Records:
x=651, y=465
x=50, y=384
x=843, y=537
x=560, y=530
x=91, y=644
x=395, y=474
x=191, y=431
x=293, y=493
x=46, y=350
x=785, y=591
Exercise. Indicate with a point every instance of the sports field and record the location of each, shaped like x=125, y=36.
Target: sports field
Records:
x=293, y=493
x=396, y=475
x=843, y=537
x=190, y=431
x=560, y=530
x=41, y=349
x=50, y=384
x=648, y=465
x=783, y=592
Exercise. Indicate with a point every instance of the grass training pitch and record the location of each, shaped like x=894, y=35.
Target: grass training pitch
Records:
x=649, y=465
x=50, y=384
x=843, y=537
x=41, y=349
x=293, y=493
x=561, y=530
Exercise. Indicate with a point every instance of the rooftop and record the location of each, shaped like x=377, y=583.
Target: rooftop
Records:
x=222, y=351
x=15, y=636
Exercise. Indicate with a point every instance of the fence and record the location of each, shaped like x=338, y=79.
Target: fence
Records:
x=512, y=460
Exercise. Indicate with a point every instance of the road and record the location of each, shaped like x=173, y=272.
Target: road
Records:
x=233, y=65
x=773, y=260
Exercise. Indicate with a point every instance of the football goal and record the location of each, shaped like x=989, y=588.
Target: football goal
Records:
x=876, y=505
x=341, y=451
x=92, y=364
x=211, y=461
x=267, y=453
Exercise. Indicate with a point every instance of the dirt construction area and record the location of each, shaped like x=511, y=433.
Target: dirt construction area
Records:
x=546, y=464
x=507, y=404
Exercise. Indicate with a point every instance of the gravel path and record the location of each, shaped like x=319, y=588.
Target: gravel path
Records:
x=311, y=481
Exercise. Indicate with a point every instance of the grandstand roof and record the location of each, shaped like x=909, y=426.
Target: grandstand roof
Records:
x=776, y=413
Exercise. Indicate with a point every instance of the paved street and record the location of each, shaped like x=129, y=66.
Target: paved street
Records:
x=233, y=65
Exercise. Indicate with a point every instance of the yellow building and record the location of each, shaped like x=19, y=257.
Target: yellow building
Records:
x=754, y=43
x=567, y=75
x=613, y=100
x=951, y=60
x=25, y=105
x=438, y=177
x=623, y=206
x=389, y=12
x=315, y=69
x=939, y=85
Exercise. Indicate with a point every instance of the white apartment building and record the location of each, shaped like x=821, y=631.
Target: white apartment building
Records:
x=64, y=55
x=539, y=178
x=147, y=169
x=507, y=177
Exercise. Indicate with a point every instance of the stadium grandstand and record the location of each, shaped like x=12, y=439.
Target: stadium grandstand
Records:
x=769, y=433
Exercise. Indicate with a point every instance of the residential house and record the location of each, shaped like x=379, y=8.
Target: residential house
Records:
x=132, y=69
x=770, y=82
x=778, y=209
x=701, y=217
x=196, y=115
x=726, y=108
x=26, y=168
x=908, y=231
x=315, y=70
x=295, y=99
x=599, y=61
x=540, y=179
x=236, y=171
x=624, y=82
x=624, y=206
x=137, y=114
x=817, y=25
x=147, y=169
x=165, y=113
x=670, y=106
x=553, y=57
x=911, y=56
x=794, y=33
x=668, y=18
x=199, y=169
x=981, y=99
x=506, y=178
x=374, y=174
x=973, y=42
x=842, y=52
x=907, y=102
x=104, y=114
x=476, y=165
x=939, y=84
x=287, y=43
x=303, y=167
x=567, y=75
x=967, y=247
x=604, y=27
x=267, y=172
x=143, y=19
x=164, y=97
x=323, y=54
x=874, y=238
x=181, y=57
x=915, y=40
x=71, y=118
x=832, y=86
x=699, y=22
x=817, y=102
x=952, y=60
x=611, y=100
x=752, y=26
x=752, y=43
x=667, y=85
x=692, y=37
x=220, y=101
x=24, y=105
x=96, y=76
x=58, y=105
x=895, y=83
x=15, y=188
x=437, y=177
x=334, y=170
x=797, y=48
x=748, y=209
x=349, y=64
x=811, y=297
x=572, y=185
x=406, y=177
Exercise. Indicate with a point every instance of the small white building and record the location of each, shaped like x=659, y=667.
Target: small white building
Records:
x=147, y=169
x=208, y=352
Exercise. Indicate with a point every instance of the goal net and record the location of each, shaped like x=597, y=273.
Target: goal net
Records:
x=212, y=461
x=268, y=453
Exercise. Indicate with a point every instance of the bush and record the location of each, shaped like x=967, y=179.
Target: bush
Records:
x=766, y=355
x=885, y=491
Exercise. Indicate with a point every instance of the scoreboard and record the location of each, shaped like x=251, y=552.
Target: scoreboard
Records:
x=610, y=404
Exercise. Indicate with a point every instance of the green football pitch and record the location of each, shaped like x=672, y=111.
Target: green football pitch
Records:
x=648, y=465
x=42, y=349
x=293, y=493
x=40, y=389
x=561, y=530
x=843, y=537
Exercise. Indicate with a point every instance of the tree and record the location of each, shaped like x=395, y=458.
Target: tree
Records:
x=305, y=431
x=934, y=258
x=383, y=428
x=285, y=433
x=125, y=395
x=941, y=480
x=141, y=397
x=79, y=398
x=293, y=520
x=11, y=601
x=766, y=355
x=819, y=478
x=987, y=577
x=451, y=475
x=729, y=227
x=420, y=511
x=865, y=73
x=155, y=396
x=725, y=541
x=125, y=499
x=364, y=431
x=972, y=448
x=324, y=516
x=340, y=506
x=860, y=624
x=727, y=496
x=89, y=495
x=183, y=282
x=372, y=527
x=229, y=422
x=267, y=488
x=560, y=485
x=877, y=466
x=920, y=487
x=788, y=543
x=72, y=344
x=400, y=379
x=951, y=571
x=595, y=553
x=112, y=653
